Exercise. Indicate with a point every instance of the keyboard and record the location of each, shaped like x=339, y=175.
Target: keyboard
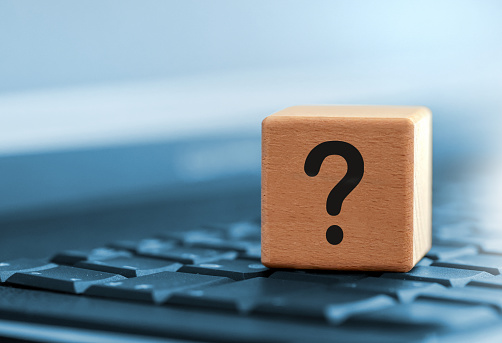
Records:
x=208, y=284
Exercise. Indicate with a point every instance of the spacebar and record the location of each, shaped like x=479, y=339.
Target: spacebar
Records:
x=46, y=307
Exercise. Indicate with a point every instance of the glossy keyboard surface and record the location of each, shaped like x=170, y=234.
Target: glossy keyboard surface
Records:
x=215, y=270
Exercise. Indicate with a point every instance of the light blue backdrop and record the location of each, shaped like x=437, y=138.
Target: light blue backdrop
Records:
x=78, y=78
x=60, y=43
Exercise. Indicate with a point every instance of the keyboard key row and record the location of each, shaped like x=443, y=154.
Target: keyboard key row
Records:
x=320, y=277
x=187, y=255
x=131, y=266
x=63, y=278
x=71, y=257
x=242, y=296
x=233, y=269
x=334, y=305
x=365, y=299
x=155, y=288
x=9, y=268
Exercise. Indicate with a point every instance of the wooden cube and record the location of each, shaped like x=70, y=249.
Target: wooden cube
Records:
x=346, y=187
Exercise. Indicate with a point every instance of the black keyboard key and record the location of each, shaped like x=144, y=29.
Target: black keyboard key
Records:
x=492, y=281
x=9, y=268
x=131, y=266
x=155, y=288
x=240, y=296
x=70, y=257
x=403, y=290
x=333, y=305
x=488, y=263
x=233, y=269
x=175, y=323
x=440, y=252
x=188, y=255
x=446, y=276
x=63, y=279
x=439, y=314
x=471, y=295
x=327, y=277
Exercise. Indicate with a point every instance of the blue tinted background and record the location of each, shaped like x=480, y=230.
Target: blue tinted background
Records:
x=62, y=43
x=107, y=99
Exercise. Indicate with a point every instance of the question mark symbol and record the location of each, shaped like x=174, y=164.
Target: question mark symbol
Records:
x=355, y=171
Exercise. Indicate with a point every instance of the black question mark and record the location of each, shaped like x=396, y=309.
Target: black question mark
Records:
x=355, y=171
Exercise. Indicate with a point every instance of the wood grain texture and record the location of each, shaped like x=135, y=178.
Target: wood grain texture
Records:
x=386, y=219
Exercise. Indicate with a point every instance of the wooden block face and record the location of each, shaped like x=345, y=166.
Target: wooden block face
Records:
x=385, y=218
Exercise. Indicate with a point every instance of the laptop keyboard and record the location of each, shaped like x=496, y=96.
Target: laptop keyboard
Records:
x=456, y=287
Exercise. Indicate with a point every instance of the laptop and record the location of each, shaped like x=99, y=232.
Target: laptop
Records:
x=126, y=226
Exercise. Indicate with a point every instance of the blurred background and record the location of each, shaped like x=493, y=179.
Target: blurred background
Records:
x=113, y=101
